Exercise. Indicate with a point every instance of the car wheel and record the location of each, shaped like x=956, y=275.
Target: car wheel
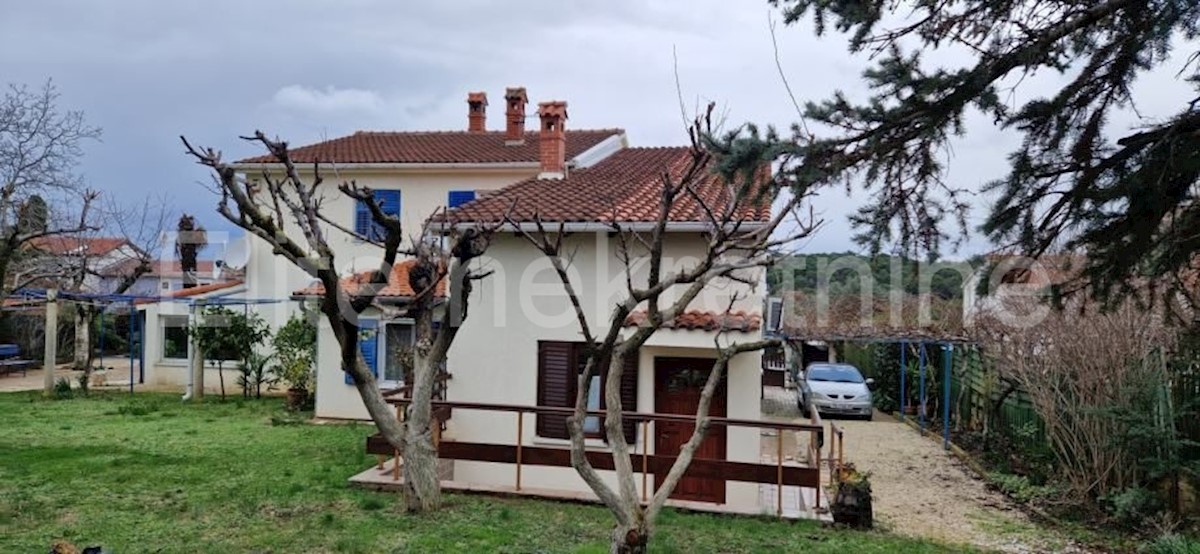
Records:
x=869, y=416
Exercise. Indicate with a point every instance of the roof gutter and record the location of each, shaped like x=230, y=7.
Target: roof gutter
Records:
x=601, y=227
x=395, y=166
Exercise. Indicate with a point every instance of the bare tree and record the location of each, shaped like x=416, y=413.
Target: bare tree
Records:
x=1083, y=368
x=285, y=210
x=70, y=262
x=738, y=247
x=39, y=148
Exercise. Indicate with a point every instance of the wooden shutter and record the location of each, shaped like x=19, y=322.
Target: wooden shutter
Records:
x=368, y=344
x=556, y=378
x=629, y=386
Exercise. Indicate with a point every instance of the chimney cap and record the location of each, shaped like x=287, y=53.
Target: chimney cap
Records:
x=516, y=93
x=553, y=108
x=477, y=97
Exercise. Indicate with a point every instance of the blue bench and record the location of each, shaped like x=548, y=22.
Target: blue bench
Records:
x=11, y=362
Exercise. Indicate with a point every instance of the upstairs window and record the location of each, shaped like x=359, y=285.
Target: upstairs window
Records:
x=364, y=224
x=459, y=197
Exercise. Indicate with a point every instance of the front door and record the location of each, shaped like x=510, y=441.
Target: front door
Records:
x=678, y=383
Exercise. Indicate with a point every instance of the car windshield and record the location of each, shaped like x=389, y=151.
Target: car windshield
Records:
x=834, y=373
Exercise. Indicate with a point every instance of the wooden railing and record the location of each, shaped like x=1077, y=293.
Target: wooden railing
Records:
x=516, y=452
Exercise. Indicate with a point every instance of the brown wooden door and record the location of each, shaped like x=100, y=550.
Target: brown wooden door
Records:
x=677, y=386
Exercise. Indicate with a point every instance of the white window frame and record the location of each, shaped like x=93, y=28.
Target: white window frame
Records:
x=382, y=339
x=162, y=342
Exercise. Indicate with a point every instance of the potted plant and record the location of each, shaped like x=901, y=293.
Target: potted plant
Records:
x=295, y=349
x=852, y=498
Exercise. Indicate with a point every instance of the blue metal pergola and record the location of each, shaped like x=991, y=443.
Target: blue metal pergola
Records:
x=923, y=344
x=131, y=300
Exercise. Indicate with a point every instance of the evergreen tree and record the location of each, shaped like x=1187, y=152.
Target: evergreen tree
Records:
x=1124, y=196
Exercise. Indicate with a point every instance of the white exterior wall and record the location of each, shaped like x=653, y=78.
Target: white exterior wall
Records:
x=422, y=192
x=494, y=357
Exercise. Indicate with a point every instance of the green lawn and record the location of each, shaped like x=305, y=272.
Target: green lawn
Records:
x=149, y=474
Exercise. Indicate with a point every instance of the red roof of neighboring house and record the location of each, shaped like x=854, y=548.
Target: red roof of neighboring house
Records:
x=397, y=287
x=194, y=291
x=162, y=268
x=66, y=245
x=434, y=147
x=698, y=320
x=624, y=187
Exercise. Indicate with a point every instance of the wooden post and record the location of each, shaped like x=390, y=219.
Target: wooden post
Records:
x=779, y=472
x=50, y=351
x=817, y=492
x=645, y=454
x=520, y=433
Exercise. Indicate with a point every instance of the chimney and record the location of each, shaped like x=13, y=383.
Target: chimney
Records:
x=514, y=115
x=476, y=112
x=552, y=140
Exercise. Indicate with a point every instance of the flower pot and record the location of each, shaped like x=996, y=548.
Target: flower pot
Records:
x=296, y=399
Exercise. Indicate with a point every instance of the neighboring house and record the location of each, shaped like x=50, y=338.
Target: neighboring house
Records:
x=166, y=276
x=521, y=344
x=165, y=321
x=65, y=257
x=1011, y=277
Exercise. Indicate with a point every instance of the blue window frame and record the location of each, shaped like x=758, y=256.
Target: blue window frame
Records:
x=389, y=202
x=459, y=197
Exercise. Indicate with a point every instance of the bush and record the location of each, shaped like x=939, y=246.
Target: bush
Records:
x=62, y=389
x=1130, y=507
x=1171, y=543
x=296, y=348
x=1021, y=488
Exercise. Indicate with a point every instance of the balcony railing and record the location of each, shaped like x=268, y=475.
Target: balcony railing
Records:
x=804, y=474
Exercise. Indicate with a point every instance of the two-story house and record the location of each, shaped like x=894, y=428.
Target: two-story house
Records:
x=521, y=344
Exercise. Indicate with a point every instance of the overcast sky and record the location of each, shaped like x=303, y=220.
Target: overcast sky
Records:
x=147, y=71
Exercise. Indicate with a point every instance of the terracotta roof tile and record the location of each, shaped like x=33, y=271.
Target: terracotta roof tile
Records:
x=60, y=245
x=698, y=320
x=434, y=147
x=194, y=291
x=397, y=287
x=623, y=187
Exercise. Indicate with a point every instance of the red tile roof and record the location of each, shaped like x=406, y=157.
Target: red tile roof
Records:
x=397, y=287
x=434, y=147
x=623, y=187
x=194, y=291
x=698, y=320
x=162, y=268
x=65, y=245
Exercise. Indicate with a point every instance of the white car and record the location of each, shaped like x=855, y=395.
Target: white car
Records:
x=837, y=389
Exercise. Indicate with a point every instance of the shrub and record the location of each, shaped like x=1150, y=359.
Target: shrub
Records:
x=62, y=389
x=1130, y=507
x=296, y=348
x=1021, y=488
x=1171, y=543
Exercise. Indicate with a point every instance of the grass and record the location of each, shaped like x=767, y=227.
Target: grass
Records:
x=149, y=474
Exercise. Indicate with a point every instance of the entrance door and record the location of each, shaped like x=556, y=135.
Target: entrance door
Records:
x=677, y=386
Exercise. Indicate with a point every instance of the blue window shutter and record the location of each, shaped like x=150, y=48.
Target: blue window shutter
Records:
x=368, y=343
x=389, y=203
x=459, y=197
x=362, y=218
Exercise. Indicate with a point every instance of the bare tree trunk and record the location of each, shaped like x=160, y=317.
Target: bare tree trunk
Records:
x=422, y=488
x=630, y=539
x=221, y=376
x=83, y=339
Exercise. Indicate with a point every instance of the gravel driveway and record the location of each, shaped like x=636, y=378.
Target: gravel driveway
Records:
x=920, y=490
